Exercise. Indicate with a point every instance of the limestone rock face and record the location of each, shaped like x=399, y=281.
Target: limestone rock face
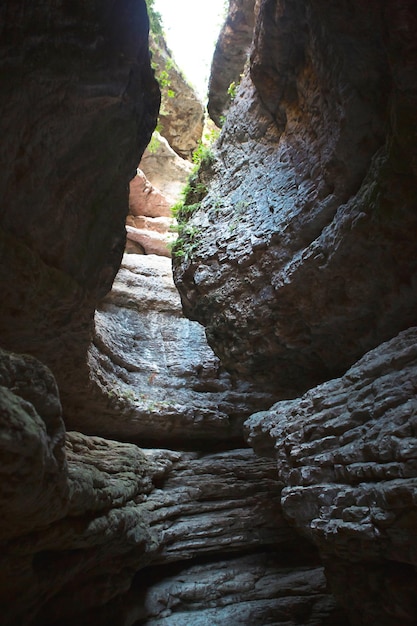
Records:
x=347, y=452
x=182, y=113
x=81, y=516
x=78, y=103
x=231, y=53
x=226, y=552
x=155, y=377
x=303, y=257
x=164, y=168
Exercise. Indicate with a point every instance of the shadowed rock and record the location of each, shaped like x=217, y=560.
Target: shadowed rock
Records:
x=78, y=104
x=347, y=453
x=230, y=56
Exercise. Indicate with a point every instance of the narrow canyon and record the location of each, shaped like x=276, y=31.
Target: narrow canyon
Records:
x=208, y=321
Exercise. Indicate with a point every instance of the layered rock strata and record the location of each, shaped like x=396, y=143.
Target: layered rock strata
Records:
x=82, y=515
x=347, y=451
x=254, y=589
x=154, y=376
x=155, y=189
x=303, y=254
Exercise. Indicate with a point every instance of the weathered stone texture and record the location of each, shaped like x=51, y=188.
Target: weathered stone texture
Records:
x=347, y=454
x=154, y=190
x=182, y=113
x=78, y=103
x=154, y=376
x=304, y=256
x=165, y=170
x=70, y=530
x=230, y=55
x=255, y=590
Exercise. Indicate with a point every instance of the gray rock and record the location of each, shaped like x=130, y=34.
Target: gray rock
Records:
x=78, y=104
x=230, y=56
x=154, y=377
x=347, y=454
x=303, y=257
x=255, y=590
x=70, y=528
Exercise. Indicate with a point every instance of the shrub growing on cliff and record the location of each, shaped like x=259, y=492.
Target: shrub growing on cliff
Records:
x=155, y=19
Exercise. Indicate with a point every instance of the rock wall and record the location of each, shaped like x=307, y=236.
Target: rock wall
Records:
x=347, y=453
x=78, y=104
x=181, y=117
x=303, y=249
x=154, y=378
x=302, y=260
x=230, y=56
x=167, y=162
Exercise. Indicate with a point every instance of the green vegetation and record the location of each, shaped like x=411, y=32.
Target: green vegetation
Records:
x=233, y=87
x=231, y=90
x=155, y=20
x=194, y=192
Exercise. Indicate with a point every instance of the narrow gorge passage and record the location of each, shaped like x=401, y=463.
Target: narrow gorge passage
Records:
x=224, y=550
x=212, y=424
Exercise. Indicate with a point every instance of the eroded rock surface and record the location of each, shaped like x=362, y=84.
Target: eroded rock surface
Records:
x=154, y=190
x=255, y=590
x=154, y=375
x=71, y=532
x=347, y=452
x=303, y=254
x=78, y=104
x=182, y=113
x=82, y=515
x=231, y=53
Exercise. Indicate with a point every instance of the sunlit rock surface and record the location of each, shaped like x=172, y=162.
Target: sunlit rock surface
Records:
x=181, y=117
x=166, y=171
x=303, y=256
x=154, y=374
x=347, y=451
x=153, y=192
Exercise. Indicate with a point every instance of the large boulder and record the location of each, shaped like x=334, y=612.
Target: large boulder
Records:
x=71, y=532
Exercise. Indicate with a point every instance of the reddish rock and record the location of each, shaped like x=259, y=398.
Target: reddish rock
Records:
x=145, y=199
